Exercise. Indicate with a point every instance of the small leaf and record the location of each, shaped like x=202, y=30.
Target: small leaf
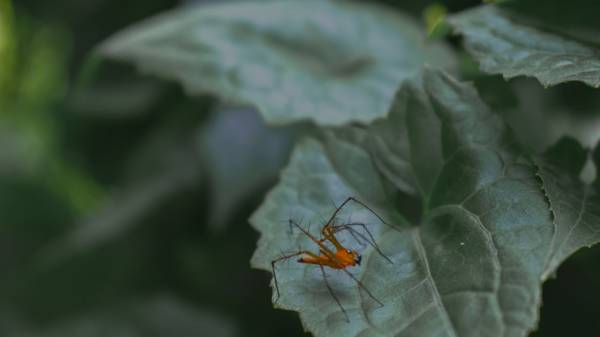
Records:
x=503, y=45
x=471, y=267
x=575, y=205
x=329, y=61
x=434, y=16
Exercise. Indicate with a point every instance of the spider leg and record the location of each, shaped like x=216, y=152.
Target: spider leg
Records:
x=324, y=249
x=291, y=228
x=279, y=259
x=361, y=285
x=337, y=300
x=330, y=235
x=352, y=232
x=370, y=239
x=364, y=227
x=353, y=199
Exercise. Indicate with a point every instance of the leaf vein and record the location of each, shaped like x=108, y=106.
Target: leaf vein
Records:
x=436, y=295
x=579, y=218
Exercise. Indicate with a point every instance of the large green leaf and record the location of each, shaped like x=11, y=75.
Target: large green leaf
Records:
x=575, y=205
x=504, y=45
x=329, y=61
x=472, y=266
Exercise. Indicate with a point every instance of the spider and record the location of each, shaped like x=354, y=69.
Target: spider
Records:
x=341, y=258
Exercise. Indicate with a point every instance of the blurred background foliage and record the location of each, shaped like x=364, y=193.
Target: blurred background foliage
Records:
x=124, y=203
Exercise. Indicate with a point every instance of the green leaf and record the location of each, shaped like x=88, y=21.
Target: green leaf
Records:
x=575, y=205
x=504, y=45
x=471, y=266
x=329, y=61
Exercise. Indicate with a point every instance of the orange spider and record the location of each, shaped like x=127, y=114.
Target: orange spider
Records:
x=341, y=258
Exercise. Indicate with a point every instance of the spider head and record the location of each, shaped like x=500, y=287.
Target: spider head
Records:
x=348, y=257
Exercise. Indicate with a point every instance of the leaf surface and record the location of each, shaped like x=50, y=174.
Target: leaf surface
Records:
x=329, y=61
x=504, y=45
x=575, y=205
x=471, y=266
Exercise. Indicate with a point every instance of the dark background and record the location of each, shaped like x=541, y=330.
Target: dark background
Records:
x=87, y=144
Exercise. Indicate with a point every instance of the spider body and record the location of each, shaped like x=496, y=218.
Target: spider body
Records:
x=343, y=258
x=339, y=258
